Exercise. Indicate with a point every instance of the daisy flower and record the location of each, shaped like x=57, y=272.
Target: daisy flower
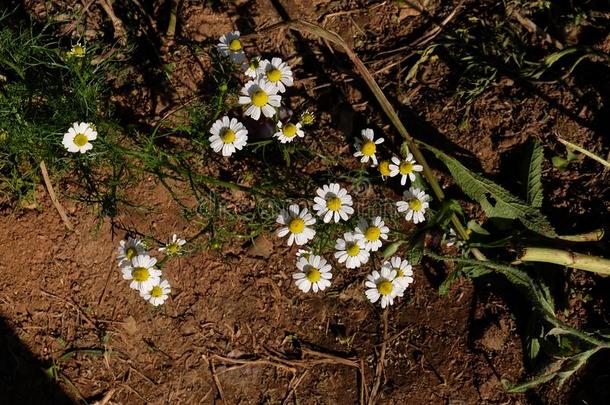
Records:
x=77, y=51
x=278, y=73
x=415, y=206
x=142, y=272
x=253, y=68
x=372, y=234
x=128, y=249
x=174, y=247
x=384, y=169
x=404, y=271
x=351, y=251
x=260, y=96
x=296, y=223
x=304, y=252
x=307, y=118
x=288, y=132
x=367, y=146
x=157, y=293
x=333, y=203
x=78, y=136
x=383, y=285
x=230, y=46
x=228, y=135
x=314, y=273
x=406, y=168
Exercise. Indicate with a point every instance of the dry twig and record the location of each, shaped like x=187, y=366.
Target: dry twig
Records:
x=54, y=199
x=380, y=362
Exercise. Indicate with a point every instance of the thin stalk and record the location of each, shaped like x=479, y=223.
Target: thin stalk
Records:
x=299, y=25
x=593, y=236
x=578, y=261
x=585, y=152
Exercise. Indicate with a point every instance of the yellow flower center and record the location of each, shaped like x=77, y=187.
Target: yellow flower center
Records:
x=372, y=233
x=156, y=292
x=313, y=275
x=260, y=98
x=353, y=250
x=227, y=135
x=399, y=272
x=274, y=75
x=385, y=287
x=334, y=203
x=80, y=140
x=131, y=252
x=78, y=51
x=140, y=274
x=415, y=204
x=368, y=148
x=235, y=45
x=384, y=168
x=405, y=168
x=173, y=249
x=289, y=130
x=297, y=225
x=307, y=118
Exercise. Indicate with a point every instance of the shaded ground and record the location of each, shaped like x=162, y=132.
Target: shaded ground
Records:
x=62, y=293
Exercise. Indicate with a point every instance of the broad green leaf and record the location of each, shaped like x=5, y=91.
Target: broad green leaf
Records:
x=496, y=201
x=533, y=348
x=573, y=364
x=392, y=248
x=534, y=174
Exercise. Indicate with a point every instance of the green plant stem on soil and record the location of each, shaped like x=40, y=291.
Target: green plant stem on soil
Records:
x=579, y=261
x=584, y=152
x=299, y=25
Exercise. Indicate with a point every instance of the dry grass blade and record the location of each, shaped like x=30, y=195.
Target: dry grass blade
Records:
x=584, y=152
x=304, y=26
x=380, y=362
x=54, y=199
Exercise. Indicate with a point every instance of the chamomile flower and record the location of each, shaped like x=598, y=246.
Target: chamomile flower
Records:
x=367, y=146
x=415, y=206
x=333, y=203
x=77, y=51
x=405, y=168
x=372, y=233
x=296, y=223
x=260, y=96
x=314, y=273
x=351, y=251
x=174, y=247
x=230, y=45
x=278, y=73
x=384, y=169
x=142, y=272
x=157, y=293
x=288, y=132
x=307, y=118
x=253, y=67
x=128, y=249
x=78, y=136
x=228, y=135
x=304, y=252
x=382, y=284
x=404, y=271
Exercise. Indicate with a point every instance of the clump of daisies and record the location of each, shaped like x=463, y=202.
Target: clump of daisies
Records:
x=143, y=271
x=260, y=99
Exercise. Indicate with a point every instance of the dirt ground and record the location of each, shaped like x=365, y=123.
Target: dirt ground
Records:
x=235, y=330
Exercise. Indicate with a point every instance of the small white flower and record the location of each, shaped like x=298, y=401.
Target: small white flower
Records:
x=406, y=168
x=367, y=146
x=174, y=247
x=157, y=293
x=297, y=224
x=277, y=73
x=228, y=135
x=260, y=96
x=253, y=68
x=128, y=249
x=333, y=203
x=78, y=136
x=415, y=206
x=288, y=132
x=383, y=285
x=404, y=271
x=304, y=252
x=77, y=51
x=351, y=251
x=230, y=45
x=314, y=273
x=142, y=272
x=372, y=234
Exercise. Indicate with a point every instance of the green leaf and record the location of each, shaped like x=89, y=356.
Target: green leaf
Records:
x=534, y=175
x=524, y=386
x=451, y=278
x=533, y=348
x=476, y=228
x=573, y=364
x=415, y=255
x=496, y=201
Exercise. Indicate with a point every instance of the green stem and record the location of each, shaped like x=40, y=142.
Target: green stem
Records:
x=585, y=152
x=578, y=261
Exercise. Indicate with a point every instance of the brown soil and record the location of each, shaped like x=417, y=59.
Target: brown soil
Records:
x=62, y=291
